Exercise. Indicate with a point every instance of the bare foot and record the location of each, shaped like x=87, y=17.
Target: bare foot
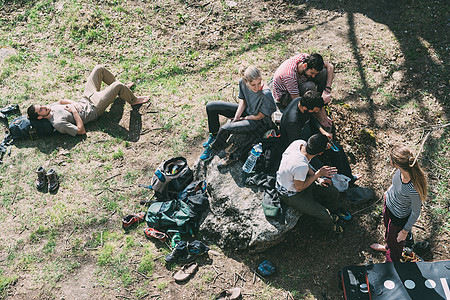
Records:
x=378, y=247
x=129, y=84
x=141, y=100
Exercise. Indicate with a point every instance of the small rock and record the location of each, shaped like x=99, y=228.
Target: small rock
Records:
x=230, y=4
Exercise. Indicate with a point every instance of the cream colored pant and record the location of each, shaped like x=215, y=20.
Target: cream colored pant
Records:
x=102, y=99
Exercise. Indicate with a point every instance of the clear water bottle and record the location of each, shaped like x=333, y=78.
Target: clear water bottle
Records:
x=252, y=158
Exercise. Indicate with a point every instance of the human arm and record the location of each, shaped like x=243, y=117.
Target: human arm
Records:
x=78, y=121
x=257, y=117
x=325, y=133
x=326, y=94
x=240, y=110
x=68, y=101
x=322, y=117
x=416, y=206
x=325, y=171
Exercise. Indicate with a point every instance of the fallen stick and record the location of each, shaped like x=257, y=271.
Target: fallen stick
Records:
x=143, y=275
x=240, y=276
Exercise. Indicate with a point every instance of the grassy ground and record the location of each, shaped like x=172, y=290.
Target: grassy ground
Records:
x=391, y=77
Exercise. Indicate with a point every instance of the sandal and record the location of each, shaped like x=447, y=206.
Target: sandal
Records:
x=186, y=272
x=130, y=220
x=231, y=294
x=153, y=233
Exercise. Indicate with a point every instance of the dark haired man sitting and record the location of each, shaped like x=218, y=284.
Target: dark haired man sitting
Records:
x=299, y=74
x=298, y=122
x=68, y=116
x=296, y=182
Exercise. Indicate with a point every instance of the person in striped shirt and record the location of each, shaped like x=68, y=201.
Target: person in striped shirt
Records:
x=299, y=74
x=403, y=202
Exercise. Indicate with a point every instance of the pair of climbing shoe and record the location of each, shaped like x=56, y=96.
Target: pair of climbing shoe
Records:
x=47, y=178
x=185, y=252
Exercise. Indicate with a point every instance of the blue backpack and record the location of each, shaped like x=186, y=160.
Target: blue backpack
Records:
x=22, y=128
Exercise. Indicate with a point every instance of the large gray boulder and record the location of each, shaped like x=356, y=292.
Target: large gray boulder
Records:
x=236, y=219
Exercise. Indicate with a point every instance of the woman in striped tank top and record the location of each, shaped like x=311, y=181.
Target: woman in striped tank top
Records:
x=403, y=202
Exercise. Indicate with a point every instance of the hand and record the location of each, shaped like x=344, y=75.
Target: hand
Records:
x=326, y=96
x=402, y=235
x=326, y=171
x=326, y=182
x=77, y=106
x=71, y=108
x=328, y=135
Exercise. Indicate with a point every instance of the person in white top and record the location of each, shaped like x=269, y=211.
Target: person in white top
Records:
x=307, y=191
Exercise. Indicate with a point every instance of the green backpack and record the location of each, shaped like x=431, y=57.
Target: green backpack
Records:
x=170, y=216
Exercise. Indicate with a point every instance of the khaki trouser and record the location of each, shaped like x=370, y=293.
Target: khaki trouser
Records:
x=102, y=99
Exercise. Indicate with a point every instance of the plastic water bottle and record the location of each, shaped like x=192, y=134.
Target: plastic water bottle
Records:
x=252, y=158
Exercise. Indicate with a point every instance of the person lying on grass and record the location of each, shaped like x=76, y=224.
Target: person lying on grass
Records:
x=251, y=115
x=69, y=117
x=402, y=202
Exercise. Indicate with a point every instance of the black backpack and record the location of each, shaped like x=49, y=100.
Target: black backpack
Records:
x=270, y=159
x=22, y=127
x=196, y=197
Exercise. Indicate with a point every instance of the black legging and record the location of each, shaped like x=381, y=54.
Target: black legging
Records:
x=216, y=108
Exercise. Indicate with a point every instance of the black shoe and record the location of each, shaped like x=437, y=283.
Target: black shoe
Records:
x=53, y=181
x=3, y=119
x=41, y=179
x=180, y=250
x=12, y=109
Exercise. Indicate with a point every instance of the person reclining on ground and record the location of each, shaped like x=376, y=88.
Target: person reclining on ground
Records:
x=298, y=122
x=251, y=115
x=296, y=185
x=69, y=117
x=302, y=73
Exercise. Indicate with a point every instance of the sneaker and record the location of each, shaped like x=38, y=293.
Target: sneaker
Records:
x=153, y=233
x=130, y=220
x=265, y=268
x=198, y=248
x=337, y=228
x=41, y=179
x=210, y=140
x=179, y=251
x=343, y=214
x=208, y=154
x=335, y=218
x=53, y=182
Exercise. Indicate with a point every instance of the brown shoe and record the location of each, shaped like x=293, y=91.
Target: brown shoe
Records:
x=41, y=179
x=53, y=181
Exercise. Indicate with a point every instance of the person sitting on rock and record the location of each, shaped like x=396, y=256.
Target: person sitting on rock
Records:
x=296, y=183
x=69, y=117
x=298, y=122
x=252, y=115
x=299, y=74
